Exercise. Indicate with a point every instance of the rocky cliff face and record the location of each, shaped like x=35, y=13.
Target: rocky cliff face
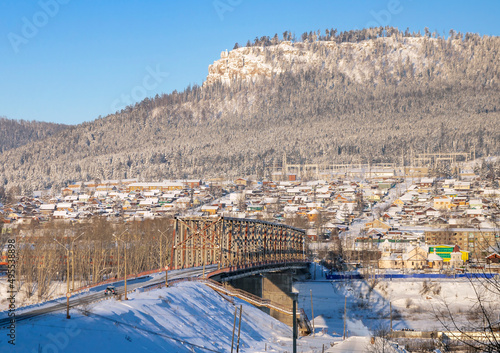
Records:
x=237, y=64
x=359, y=62
x=322, y=102
x=248, y=63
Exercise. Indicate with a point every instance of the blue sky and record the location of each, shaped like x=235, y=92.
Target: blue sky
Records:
x=69, y=61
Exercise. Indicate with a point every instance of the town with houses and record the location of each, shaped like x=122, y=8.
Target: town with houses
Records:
x=295, y=177
x=412, y=221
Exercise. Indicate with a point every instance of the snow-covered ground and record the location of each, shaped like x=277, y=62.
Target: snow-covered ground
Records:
x=57, y=289
x=189, y=317
x=57, y=293
x=415, y=303
x=358, y=344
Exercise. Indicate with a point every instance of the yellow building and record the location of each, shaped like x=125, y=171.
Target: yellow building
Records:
x=398, y=202
x=312, y=216
x=478, y=242
x=442, y=203
x=415, y=258
x=161, y=186
x=242, y=181
x=377, y=224
x=211, y=210
x=444, y=251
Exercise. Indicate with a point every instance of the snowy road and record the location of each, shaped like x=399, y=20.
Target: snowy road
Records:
x=97, y=294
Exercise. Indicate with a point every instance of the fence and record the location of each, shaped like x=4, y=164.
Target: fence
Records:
x=114, y=280
x=411, y=276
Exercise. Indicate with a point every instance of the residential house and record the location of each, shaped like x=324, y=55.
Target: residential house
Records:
x=47, y=209
x=442, y=203
x=493, y=258
x=378, y=224
x=415, y=258
x=209, y=210
x=242, y=182
x=462, y=185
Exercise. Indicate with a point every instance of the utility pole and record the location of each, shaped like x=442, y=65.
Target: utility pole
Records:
x=345, y=313
x=68, y=293
x=72, y=269
x=125, y=245
x=73, y=262
x=294, y=335
x=161, y=258
x=390, y=308
x=67, y=285
x=312, y=310
x=234, y=327
x=125, y=271
x=162, y=234
x=239, y=330
x=161, y=253
x=118, y=257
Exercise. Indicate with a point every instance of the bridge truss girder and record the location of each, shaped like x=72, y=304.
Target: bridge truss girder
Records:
x=230, y=242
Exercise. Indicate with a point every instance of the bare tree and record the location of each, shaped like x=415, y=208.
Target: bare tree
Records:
x=379, y=342
x=479, y=329
x=90, y=250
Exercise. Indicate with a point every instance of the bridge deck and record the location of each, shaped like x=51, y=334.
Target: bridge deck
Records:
x=235, y=272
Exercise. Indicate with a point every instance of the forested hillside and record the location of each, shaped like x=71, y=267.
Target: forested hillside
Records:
x=15, y=133
x=370, y=95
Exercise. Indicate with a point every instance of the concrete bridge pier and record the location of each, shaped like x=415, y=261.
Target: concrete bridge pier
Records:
x=274, y=286
x=250, y=284
x=277, y=287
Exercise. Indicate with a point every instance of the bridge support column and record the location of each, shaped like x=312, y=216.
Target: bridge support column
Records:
x=274, y=286
x=277, y=287
x=251, y=284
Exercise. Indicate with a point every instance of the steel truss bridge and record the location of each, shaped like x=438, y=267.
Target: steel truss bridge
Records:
x=235, y=243
x=231, y=248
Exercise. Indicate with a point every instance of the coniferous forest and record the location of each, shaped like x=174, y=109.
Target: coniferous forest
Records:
x=371, y=95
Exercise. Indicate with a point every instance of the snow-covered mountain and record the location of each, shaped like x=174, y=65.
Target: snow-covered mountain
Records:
x=370, y=95
x=15, y=133
x=358, y=61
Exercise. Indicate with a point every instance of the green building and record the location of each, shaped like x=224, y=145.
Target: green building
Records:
x=444, y=252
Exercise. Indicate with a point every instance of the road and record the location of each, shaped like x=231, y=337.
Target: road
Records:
x=96, y=294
